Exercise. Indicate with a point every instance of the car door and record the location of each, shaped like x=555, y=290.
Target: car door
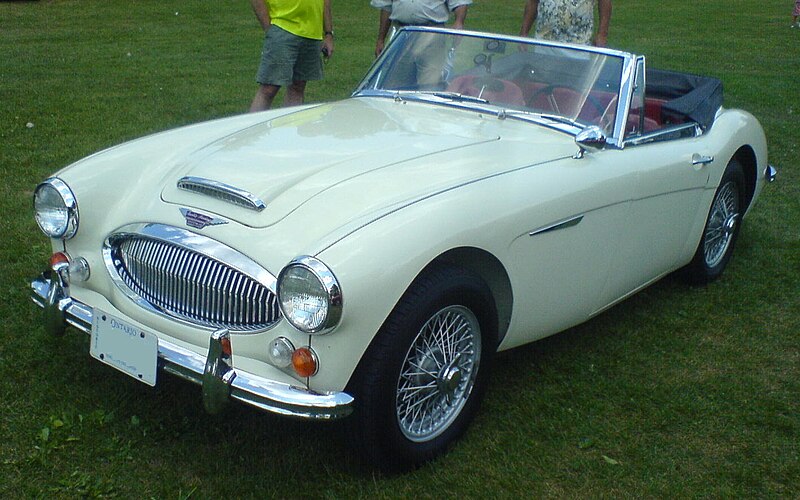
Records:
x=671, y=175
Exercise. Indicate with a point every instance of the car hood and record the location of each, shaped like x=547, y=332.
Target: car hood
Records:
x=365, y=152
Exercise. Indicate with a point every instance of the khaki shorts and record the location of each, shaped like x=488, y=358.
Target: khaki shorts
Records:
x=288, y=58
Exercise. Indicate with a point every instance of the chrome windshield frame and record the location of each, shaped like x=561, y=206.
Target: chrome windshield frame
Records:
x=626, y=88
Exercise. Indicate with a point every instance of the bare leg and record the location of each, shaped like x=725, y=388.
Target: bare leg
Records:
x=264, y=97
x=295, y=93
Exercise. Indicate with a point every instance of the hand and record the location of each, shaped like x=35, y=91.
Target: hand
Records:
x=327, y=46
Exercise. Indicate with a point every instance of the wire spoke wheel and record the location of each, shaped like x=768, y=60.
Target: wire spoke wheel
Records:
x=422, y=379
x=438, y=373
x=722, y=223
x=722, y=227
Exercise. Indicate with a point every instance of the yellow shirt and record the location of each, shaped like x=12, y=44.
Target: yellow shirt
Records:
x=299, y=17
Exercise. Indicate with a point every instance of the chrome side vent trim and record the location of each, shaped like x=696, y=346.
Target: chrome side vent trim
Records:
x=571, y=222
x=221, y=191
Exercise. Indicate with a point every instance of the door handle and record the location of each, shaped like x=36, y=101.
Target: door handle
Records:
x=698, y=159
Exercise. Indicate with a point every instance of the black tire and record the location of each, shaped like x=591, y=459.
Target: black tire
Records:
x=722, y=227
x=403, y=371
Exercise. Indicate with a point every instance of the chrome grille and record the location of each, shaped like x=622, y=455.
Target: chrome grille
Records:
x=190, y=285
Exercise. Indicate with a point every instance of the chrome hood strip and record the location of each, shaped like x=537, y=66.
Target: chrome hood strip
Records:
x=222, y=191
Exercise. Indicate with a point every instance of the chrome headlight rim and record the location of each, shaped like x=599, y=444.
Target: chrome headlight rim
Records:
x=70, y=202
x=327, y=282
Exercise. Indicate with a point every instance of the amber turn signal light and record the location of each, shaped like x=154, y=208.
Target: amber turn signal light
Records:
x=304, y=362
x=227, y=350
x=57, y=259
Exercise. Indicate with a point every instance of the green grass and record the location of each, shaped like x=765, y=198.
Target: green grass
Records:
x=676, y=392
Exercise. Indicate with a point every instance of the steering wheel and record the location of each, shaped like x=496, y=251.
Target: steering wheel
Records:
x=549, y=92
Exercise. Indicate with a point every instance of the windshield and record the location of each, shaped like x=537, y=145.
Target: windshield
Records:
x=576, y=84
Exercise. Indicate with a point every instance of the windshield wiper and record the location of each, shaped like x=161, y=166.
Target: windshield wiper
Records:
x=533, y=116
x=457, y=96
x=561, y=119
x=442, y=94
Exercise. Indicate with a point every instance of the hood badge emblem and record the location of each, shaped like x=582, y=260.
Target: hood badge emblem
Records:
x=199, y=221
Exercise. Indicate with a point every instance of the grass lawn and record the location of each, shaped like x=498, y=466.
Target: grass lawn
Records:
x=676, y=392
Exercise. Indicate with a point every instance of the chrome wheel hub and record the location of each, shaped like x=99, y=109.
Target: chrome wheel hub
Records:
x=438, y=373
x=449, y=380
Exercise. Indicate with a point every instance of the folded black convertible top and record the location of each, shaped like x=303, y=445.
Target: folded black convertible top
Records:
x=693, y=96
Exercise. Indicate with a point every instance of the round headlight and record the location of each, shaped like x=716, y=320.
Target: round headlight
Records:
x=56, y=209
x=309, y=295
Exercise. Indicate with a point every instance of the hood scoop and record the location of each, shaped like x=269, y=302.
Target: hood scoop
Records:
x=221, y=191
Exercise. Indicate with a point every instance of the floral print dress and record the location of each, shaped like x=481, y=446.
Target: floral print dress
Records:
x=566, y=20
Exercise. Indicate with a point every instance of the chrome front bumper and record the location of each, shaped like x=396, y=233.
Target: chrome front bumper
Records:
x=220, y=381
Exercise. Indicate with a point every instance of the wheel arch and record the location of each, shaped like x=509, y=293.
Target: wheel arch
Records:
x=746, y=156
x=490, y=270
x=459, y=277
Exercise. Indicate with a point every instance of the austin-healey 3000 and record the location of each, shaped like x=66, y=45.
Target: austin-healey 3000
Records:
x=367, y=258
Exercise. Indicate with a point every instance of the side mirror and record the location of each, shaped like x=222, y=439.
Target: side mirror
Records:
x=590, y=138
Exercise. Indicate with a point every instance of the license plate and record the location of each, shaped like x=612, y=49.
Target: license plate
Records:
x=127, y=348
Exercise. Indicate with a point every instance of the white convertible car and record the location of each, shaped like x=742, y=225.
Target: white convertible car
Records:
x=369, y=256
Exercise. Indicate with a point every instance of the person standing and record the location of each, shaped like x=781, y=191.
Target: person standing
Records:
x=399, y=13
x=796, y=14
x=295, y=33
x=567, y=20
